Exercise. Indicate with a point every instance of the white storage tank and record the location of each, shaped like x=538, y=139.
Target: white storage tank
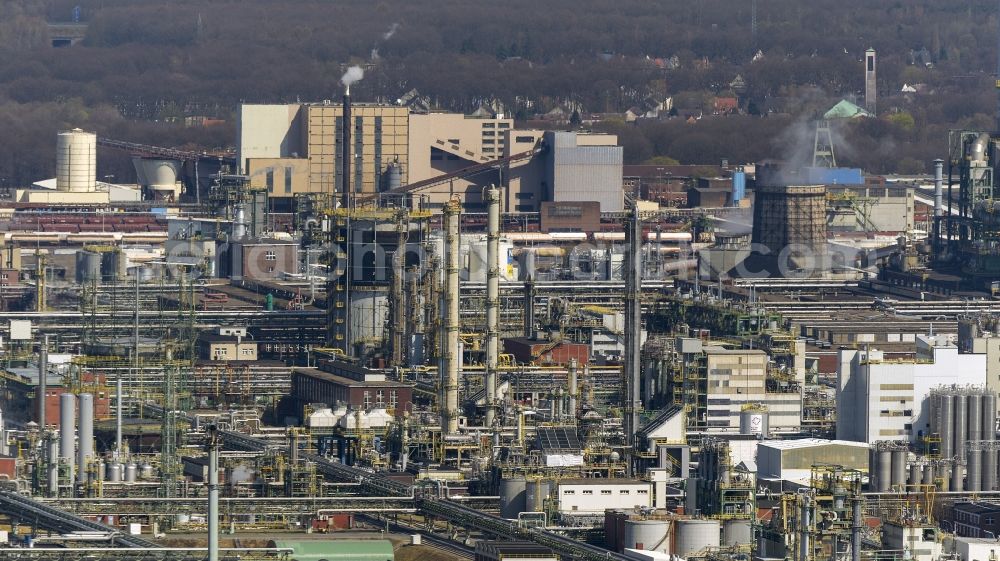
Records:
x=648, y=535
x=76, y=161
x=755, y=420
x=737, y=532
x=369, y=313
x=696, y=535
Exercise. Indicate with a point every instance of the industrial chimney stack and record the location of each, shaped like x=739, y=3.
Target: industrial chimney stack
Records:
x=871, y=91
x=345, y=152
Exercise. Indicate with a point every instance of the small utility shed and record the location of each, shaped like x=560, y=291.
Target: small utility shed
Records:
x=337, y=550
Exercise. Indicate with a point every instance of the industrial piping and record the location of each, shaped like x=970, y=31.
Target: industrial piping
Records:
x=450, y=411
x=492, y=302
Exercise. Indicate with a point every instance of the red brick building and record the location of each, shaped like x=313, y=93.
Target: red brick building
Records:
x=357, y=387
x=538, y=352
x=95, y=385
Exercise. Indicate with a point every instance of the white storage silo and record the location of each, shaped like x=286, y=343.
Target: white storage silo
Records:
x=76, y=161
x=369, y=314
x=648, y=535
x=695, y=535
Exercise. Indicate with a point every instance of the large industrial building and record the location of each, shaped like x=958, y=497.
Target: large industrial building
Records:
x=879, y=399
x=296, y=149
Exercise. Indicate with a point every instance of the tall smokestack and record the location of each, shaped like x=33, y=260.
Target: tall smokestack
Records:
x=871, y=90
x=938, y=199
x=449, y=408
x=345, y=152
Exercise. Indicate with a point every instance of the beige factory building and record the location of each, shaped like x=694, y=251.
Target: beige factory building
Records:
x=295, y=148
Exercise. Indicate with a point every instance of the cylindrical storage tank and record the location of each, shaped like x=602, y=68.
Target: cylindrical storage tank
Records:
x=512, y=496
x=114, y=472
x=928, y=478
x=76, y=161
x=395, y=173
x=88, y=267
x=898, y=462
x=883, y=477
x=973, y=470
x=131, y=471
x=369, y=312
x=737, y=532
x=67, y=427
x=146, y=471
x=947, y=418
x=974, y=404
x=535, y=494
x=989, y=467
x=989, y=400
x=961, y=425
x=755, y=421
x=648, y=535
x=934, y=417
x=916, y=474
x=112, y=267
x=85, y=446
x=692, y=536
x=102, y=470
x=943, y=476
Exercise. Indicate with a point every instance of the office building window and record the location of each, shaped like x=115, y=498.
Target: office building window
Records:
x=270, y=256
x=288, y=179
x=270, y=180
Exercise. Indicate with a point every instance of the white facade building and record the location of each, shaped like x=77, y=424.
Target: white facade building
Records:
x=880, y=399
x=594, y=496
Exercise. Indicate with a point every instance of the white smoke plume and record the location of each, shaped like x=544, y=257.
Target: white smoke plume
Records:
x=353, y=74
x=392, y=31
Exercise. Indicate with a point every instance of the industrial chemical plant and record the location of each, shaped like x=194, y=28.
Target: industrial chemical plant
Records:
x=379, y=332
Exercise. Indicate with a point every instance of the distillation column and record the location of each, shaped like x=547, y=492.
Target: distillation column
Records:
x=213, y=494
x=633, y=333
x=573, y=389
x=86, y=444
x=449, y=408
x=492, y=302
x=67, y=426
x=43, y=370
